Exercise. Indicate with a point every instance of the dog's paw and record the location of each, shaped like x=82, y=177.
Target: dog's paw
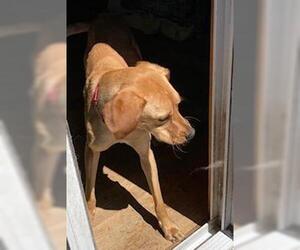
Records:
x=171, y=231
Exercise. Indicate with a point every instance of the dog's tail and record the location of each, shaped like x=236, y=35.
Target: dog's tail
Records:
x=77, y=28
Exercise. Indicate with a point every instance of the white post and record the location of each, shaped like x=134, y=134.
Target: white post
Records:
x=79, y=231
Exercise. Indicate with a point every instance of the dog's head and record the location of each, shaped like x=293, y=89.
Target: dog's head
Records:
x=146, y=100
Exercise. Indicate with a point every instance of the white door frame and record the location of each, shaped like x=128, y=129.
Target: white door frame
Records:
x=79, y=231
x=220, y=174
x=218, y=231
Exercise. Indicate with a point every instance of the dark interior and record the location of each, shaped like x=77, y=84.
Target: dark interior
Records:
x=183, y=176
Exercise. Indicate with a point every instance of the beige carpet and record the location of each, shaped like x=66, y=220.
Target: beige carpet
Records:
x=126, y=228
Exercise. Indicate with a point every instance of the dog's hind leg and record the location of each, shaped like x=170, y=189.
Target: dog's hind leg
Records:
x=141, y=144
x=91, y=166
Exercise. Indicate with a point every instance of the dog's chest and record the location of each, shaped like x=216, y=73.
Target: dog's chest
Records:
x=100, y=137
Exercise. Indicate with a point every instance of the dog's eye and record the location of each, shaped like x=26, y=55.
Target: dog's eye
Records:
x=164, y=118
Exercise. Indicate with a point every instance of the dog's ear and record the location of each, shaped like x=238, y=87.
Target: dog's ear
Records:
x=159, y=69
x=122, y=113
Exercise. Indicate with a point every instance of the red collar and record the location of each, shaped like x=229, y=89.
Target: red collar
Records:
x=95, y=99
x=95, y=95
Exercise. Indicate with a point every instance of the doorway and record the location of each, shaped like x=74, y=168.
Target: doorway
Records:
x=125, y=216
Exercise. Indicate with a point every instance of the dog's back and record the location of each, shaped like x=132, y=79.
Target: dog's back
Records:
x=110, y=46
x=112, y=30
x=103, y=58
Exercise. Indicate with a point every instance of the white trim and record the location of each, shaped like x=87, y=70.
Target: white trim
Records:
x=220, y=99
x=195, y=239
x=79, y=232
x=219, y=241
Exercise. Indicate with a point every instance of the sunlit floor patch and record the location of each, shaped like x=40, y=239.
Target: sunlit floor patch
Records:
x=127, y=228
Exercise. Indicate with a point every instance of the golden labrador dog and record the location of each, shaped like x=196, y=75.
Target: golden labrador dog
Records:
x=129, y=104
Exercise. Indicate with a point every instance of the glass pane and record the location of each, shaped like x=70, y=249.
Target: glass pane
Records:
x=32, y=109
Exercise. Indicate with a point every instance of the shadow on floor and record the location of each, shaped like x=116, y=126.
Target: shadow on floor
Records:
x=116, y=197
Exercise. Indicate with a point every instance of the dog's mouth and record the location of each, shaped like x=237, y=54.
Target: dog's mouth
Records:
x=170, y=133
x=163, y=136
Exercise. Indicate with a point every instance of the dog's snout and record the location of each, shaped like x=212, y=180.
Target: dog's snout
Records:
x=191, y=134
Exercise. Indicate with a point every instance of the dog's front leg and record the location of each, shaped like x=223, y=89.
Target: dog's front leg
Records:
x=91, y=166
x=169, y=228
x=148, y=163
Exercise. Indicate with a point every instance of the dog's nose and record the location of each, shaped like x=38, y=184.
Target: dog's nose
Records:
x=191, y=134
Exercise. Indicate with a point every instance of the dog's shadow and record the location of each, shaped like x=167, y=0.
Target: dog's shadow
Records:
x=110, y=194
x=119, y=198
